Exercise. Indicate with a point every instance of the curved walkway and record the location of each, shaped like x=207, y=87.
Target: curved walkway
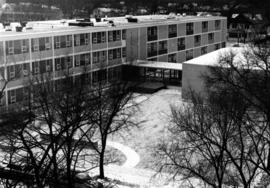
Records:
x=132, y=158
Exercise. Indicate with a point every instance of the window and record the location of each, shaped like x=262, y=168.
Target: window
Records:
x=57, y=42
x=197, y=40
x=77, y=40
x=86, y=39
x=172, y=58
x=95, y=57
x=77, y=60
x=47, y=43
x=124, y=51
x=217, y=24
x=99, y=37
x=48, y=66
x=115, y=54
x=204, y=50
x=58, y=64
x=10, y=47
x=114, y=36
x=223, y=44
x=172, y=31
x=124, y=34
x=23, y=46
x=152, y=33
x=35, y=44
x=68, y=41
x=217, y=46
x=189, y=28
x=25, y=70
x=181, y=44
x=205, y=26
x=152, y=49
x=87, y=59
x=189, y=54
x=210, y=37
x=35, y=67
x=162, y=47
x=12, y=72
x=12, y=96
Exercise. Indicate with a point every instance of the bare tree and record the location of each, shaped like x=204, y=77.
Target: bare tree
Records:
x=113, y=112
x=210, y=141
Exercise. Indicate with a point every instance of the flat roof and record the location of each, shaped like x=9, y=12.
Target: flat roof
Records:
x=158, y=65
x=61, y=26
x=212, y=58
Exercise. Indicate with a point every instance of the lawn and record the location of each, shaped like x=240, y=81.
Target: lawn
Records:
x=154, y=111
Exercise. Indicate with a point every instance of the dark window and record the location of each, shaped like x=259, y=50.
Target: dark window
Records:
x=204, y=50
x=181, y=44
x=217, y=46
x=162, y=47
x=210, y=37
x=99, y=57
x=99, y=37
x=124, y=52
x=217, y=24
x=152, y=49
x=81, y=39
x=223, y=44
x=205, y=26
x=152, y=33
x=124, y=34
x=189, y=54
x=189, y=28
x=172, y=58
x=114, y=36
x=172, y=31
x=197, y=40
x=114, y=54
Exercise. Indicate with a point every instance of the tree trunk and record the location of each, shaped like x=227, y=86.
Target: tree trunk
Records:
x=101, y=164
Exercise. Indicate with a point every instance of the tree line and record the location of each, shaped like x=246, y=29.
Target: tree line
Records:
x=62, y=129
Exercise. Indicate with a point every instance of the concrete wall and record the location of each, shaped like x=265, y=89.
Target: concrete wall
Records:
x=192, y=78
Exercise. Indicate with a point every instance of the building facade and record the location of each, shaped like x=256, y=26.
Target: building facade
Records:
x=102, y=50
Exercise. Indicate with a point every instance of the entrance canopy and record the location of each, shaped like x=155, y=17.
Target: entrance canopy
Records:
x=158, y=65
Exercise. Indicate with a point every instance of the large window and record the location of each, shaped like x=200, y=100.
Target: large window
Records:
x=162, y=47
x=189, y=54
x=181, y=44
x=152, y=49
x=81, y=39
x=41, y=44
x=82, y=60
x=189, y=28
x=210, y=37
x=99, y=57
x=63, y=63
x=172, y=58
x=152, y=33
x=205, y=26
x=172, y=31
x=114, y=36
x=124, y=34
x=204, y=50
x=114, y=54
x=99, y=37
x=64, y=41
x=17, y=47
x=197, y=40
x=217, y=24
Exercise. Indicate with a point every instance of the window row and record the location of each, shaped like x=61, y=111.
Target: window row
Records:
x=152, y=32
x=112, y=74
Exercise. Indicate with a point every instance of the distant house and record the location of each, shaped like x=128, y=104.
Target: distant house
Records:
x=11, y=12
x=245, y=27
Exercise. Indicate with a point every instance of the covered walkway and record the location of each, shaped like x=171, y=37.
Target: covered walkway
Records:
x=168, y=73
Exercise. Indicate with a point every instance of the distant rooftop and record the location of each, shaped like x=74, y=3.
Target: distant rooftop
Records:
x=63, y=25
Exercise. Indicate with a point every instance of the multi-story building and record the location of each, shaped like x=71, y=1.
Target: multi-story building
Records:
x=103, y=48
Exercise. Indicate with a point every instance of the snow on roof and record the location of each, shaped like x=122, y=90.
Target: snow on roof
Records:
x=242, y=57
x=212, y=58
x=159, y=65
